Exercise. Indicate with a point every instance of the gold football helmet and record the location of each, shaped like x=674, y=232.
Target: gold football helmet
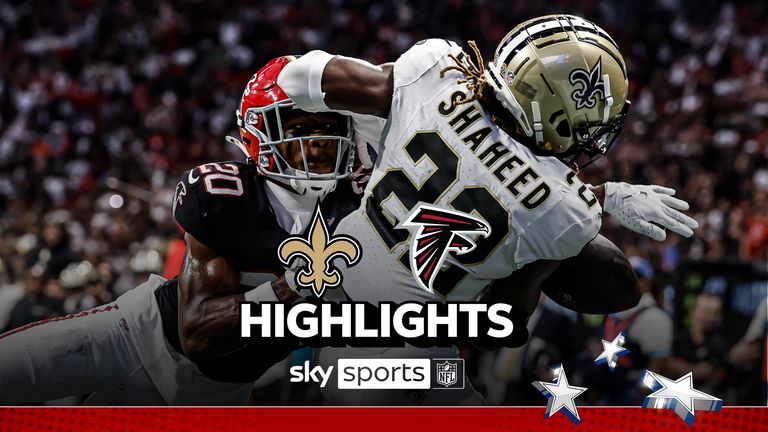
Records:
x=564, y=80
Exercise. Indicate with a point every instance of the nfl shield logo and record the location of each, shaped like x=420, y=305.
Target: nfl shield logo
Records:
x=447, y=373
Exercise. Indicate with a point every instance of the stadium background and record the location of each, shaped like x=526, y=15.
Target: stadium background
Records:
x=104, y=103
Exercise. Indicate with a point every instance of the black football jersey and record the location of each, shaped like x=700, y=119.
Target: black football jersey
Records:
x=224, y=206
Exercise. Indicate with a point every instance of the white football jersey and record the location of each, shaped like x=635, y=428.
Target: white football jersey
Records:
x=455, y=157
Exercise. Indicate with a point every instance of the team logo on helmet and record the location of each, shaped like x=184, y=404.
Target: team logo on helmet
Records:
x=440, y=231
x=589, y=85
x=178, y=196
x=319, y=249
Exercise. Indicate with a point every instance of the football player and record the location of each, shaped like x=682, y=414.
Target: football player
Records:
x=501, y=143
x=177, y=341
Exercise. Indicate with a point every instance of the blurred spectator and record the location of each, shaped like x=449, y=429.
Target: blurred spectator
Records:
x=748, y=357
x=648, y=332
x=10, y=293
x=748, y=348
x=54, y=254
x=35, y=305
x=82, y=288
x=701, y=349
x=555, y=337
x=147, y=259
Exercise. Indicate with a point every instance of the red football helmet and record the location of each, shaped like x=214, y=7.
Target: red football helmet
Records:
x=264, y=110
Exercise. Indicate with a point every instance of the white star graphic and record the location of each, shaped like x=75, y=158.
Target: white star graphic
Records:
x=612, y=351
x=560, y=395
x=678, y=395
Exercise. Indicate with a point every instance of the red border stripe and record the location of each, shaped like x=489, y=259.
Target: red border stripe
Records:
x=370, y=419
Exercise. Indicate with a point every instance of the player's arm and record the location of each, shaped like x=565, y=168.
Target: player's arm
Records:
x=647, y=210
x=209, y=302
x=358, y=86
x=522, y=288
x=598, y=280
x=318, y=81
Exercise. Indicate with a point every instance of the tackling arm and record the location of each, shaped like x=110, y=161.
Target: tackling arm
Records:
x=319, y=81
x=357, y=86
x=209, y=303
x=522, y=288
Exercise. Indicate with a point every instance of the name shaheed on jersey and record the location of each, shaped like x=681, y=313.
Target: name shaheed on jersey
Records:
x=526, y=185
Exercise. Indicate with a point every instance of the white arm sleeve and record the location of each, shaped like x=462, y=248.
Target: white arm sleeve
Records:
x=301, y=80
x=558, y=233
x=420, y=58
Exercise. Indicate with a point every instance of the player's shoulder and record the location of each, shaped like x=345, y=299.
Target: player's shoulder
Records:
x=569, y=218
x=581, y=209
x=420, y=58
x=218, y=181
x=219, y=193
x=653, y=330
x=225, y=170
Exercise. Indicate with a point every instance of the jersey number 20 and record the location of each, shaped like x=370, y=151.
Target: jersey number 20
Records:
x=220, y=179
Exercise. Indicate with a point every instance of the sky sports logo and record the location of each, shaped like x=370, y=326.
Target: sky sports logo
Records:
x=385, y=373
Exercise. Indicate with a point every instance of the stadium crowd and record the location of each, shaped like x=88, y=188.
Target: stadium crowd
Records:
x=103, y=104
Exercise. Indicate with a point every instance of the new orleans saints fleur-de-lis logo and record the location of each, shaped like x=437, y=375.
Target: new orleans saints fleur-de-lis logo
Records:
x=319, y=249
x=590, y=84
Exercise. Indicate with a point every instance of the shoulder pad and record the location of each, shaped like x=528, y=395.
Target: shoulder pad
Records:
x=213, y=196
x=421, y=57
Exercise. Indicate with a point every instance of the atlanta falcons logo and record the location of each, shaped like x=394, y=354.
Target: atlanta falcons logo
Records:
x=439, y=232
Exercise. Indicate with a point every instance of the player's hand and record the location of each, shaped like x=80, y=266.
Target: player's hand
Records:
x=285, y=287
x=648, y=210
x=359, y=178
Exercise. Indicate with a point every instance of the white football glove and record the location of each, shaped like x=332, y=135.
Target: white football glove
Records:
x=648, y=209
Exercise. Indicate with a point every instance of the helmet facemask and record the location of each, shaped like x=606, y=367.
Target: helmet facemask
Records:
x=285, y=155
x=593, y=139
